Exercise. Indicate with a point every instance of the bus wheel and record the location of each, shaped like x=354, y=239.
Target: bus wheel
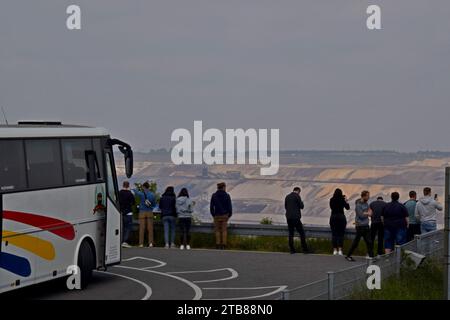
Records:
x=86, y=263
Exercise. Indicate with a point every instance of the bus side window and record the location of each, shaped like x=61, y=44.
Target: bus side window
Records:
x=75, y=161
x=98, y=148
x=92, y=163
x=43, y=163
x=12, y=166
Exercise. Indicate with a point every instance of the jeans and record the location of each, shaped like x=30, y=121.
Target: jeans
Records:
x=428, y=226
x=362, y=232
x=338, y=223
x=296, y=224
x=377, y=231
x=413, y=229
x=169, y=228
x=394, y=236
x=220, y=228
x=127, y=223
x=185, y=226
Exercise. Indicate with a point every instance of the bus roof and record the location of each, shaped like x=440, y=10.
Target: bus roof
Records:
x=46, y=131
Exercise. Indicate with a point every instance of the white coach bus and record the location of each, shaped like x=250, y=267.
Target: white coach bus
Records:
x=58, y=202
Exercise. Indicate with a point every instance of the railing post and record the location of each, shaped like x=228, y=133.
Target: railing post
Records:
x=285, y=294
x=331, y=285
x=398, y=259
x=418, y=239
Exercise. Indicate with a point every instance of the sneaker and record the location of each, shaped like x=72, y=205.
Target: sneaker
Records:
x=167, y=246
x=181, y=247
x=125, y=245
x=188, y=247
x=141, y=246
x=150, y=245
x=173, y=246
x=349, y=259
x=340, y=253
x=335, y=252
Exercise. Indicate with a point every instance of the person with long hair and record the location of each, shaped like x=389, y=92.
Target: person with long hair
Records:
x=167, y=204
x=338, y=221
x=184, y=207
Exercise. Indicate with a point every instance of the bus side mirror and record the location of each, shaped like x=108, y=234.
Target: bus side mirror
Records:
x=127, y=154
x=129, y=166
x=128, y=159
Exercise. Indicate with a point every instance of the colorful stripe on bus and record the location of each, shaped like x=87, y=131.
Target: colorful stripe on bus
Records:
x=42, y=248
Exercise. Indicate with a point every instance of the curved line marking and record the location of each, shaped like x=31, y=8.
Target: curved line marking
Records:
x=39, y=247
x=58, y=227
x=197, y=290
x=148, y=289
x=160, y=263
x=271, y=293
x=234, y=274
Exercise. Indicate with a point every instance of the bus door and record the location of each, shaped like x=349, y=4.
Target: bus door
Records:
x=113, y=216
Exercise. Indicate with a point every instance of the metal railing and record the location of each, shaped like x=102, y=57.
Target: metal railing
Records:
x=311, y=231
x=338, y=285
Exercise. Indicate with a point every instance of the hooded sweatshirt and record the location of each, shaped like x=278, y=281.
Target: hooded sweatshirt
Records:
x=184, y=207
x=426, y=209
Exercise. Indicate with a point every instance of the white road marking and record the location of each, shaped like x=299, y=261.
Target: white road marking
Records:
x=148, y=290
x=279, y=289
x=234, y=274
x=160, y=263
x=197, y=290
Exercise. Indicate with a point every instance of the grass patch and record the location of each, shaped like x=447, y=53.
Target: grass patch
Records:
x=424, y=283
x=253, y=243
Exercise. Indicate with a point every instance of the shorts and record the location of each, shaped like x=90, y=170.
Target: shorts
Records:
x=394, y=237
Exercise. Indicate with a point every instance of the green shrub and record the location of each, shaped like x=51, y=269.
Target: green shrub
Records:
x=266, y=221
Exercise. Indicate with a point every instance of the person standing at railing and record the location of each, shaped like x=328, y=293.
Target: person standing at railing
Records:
x=395, y=219
x=338, y=221
x=426, y=211
x=185, y=208
x=167, y=204
x=126, y=202
x=221, y=209
x=294, y=205
x=414, y=224
x=146, y=206
x=363, y=213
x=376, y=226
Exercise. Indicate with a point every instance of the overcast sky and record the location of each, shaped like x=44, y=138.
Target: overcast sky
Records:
x=307, y=67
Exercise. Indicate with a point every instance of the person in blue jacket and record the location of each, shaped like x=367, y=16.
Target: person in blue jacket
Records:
x=146, y=205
